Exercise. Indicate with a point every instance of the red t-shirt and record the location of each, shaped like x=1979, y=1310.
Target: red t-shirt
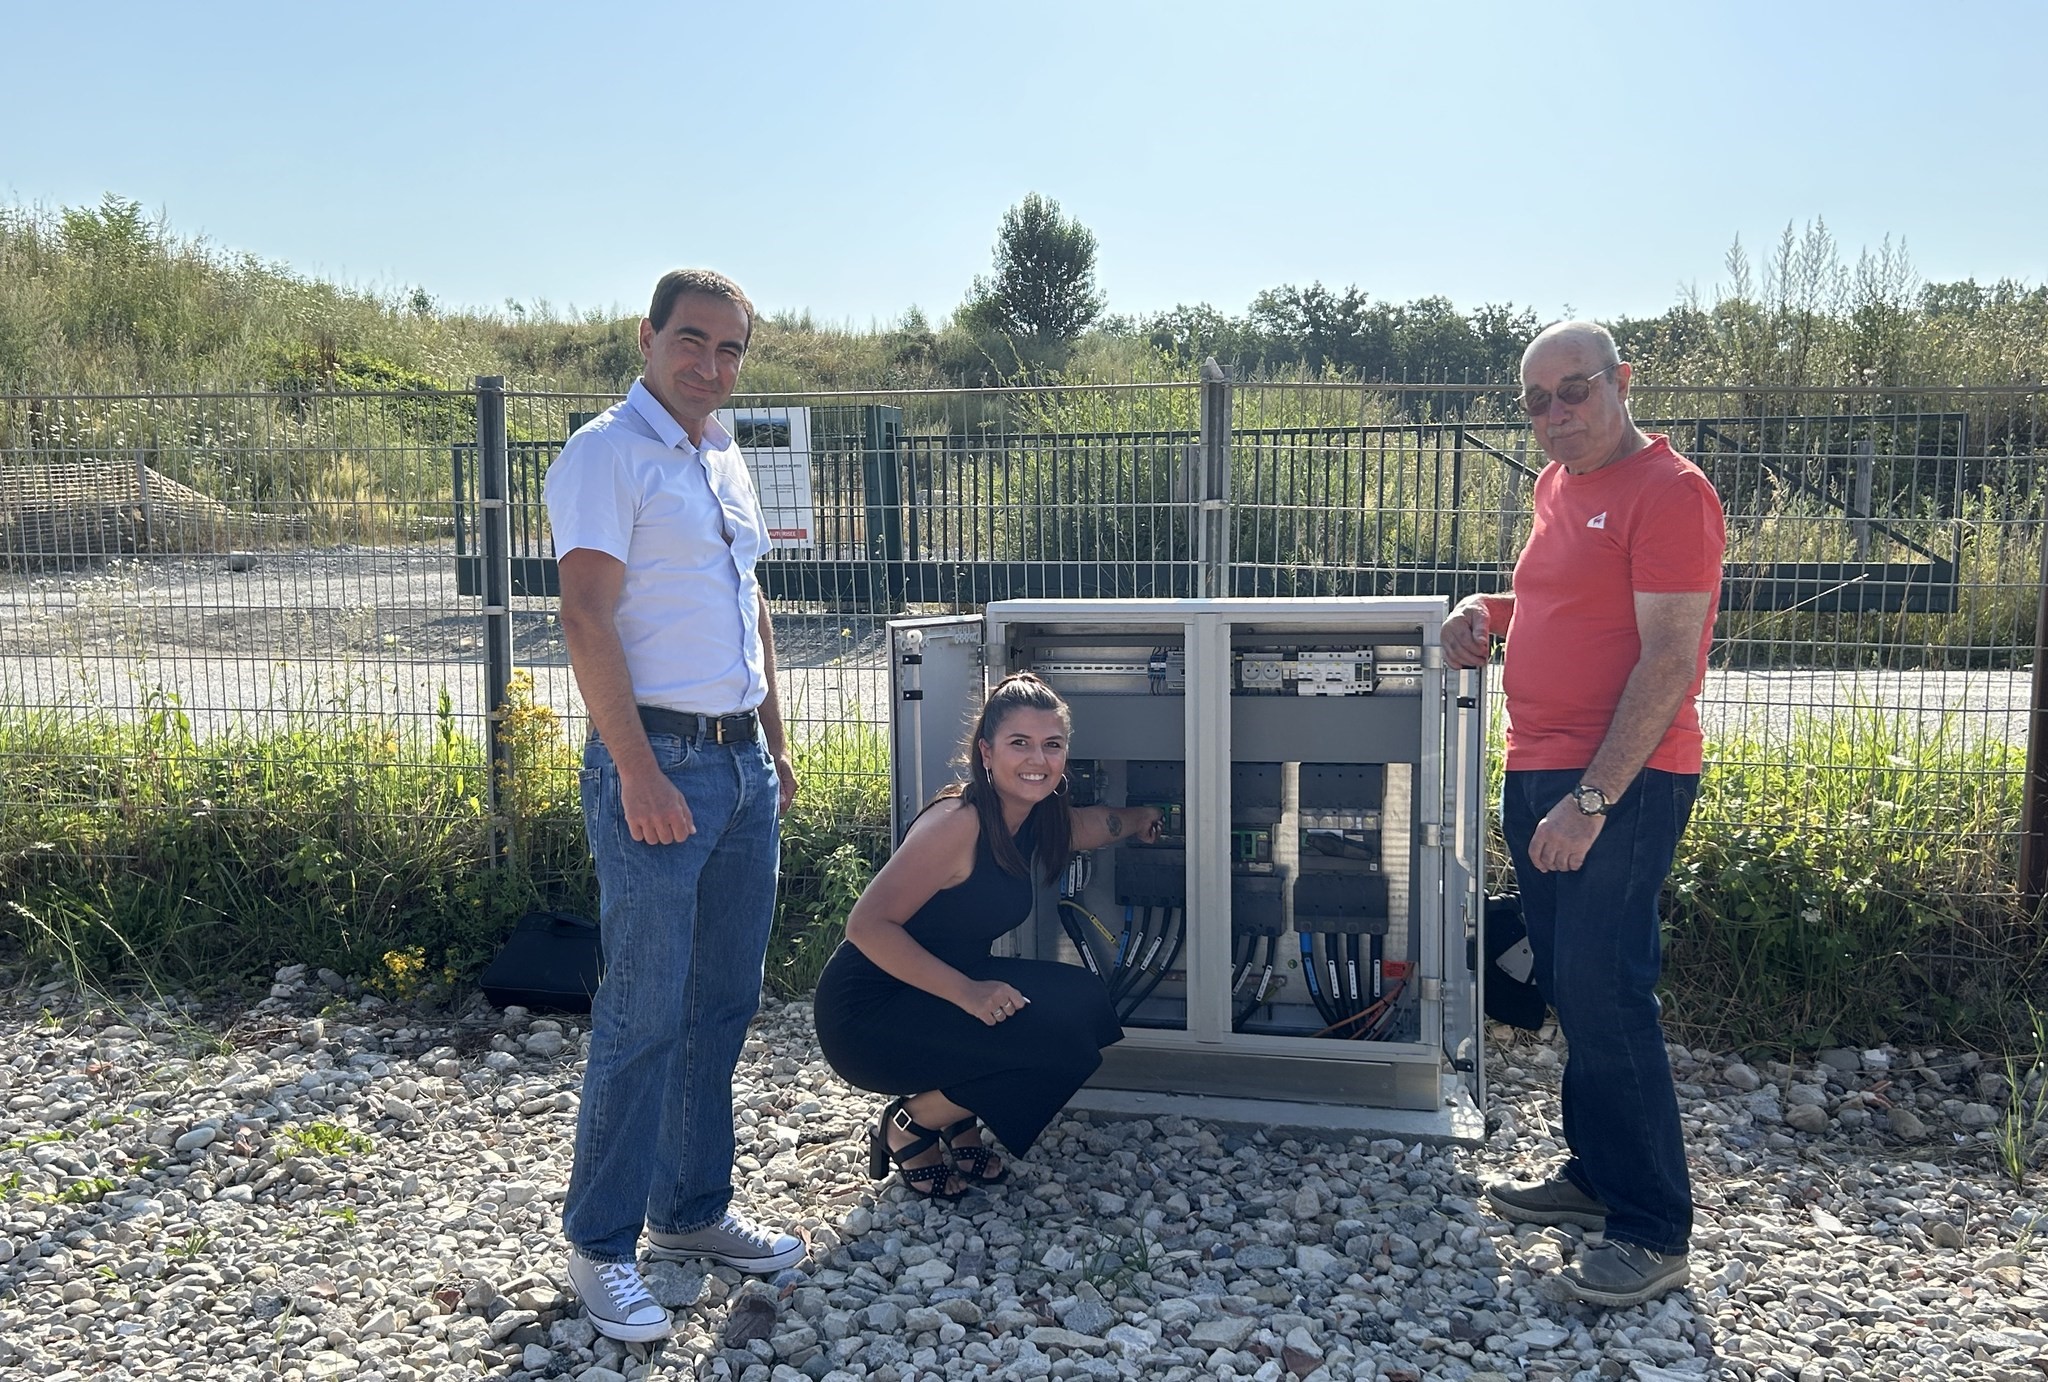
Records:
x=1649, y=522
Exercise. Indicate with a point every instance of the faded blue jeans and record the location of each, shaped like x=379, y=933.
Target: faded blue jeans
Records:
x=1596, y=936
x=685, y=934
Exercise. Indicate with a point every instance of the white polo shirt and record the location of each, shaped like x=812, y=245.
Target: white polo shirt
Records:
x=687, y=524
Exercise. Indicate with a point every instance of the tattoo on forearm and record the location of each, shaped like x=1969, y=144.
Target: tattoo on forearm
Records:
x=1116, y=826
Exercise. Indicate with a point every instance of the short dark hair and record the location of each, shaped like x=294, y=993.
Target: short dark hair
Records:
x=707, y=282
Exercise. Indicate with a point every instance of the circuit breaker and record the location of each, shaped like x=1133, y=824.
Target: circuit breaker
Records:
x=1299, y=930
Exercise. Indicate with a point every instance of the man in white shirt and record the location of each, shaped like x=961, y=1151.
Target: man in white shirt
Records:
x=657, y=530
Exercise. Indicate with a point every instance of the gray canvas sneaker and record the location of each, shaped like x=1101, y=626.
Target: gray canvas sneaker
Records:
x=1625, y=1274
x=616, y=1300
x=1547, y=1202
x=738, y=1242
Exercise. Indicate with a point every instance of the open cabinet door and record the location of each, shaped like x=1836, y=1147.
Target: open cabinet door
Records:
x=1465, y=883
x=936, y=686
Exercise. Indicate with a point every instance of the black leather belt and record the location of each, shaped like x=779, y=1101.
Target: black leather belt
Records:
x=742, y=728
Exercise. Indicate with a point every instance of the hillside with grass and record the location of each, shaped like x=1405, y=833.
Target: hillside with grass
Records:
x=107, y=299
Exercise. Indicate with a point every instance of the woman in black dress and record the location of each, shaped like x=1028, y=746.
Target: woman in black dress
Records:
x=913, y=1004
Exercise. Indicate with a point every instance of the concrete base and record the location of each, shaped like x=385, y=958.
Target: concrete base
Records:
x=1457, y=1121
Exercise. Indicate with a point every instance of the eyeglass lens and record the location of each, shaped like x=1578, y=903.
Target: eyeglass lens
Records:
x=1572, y=391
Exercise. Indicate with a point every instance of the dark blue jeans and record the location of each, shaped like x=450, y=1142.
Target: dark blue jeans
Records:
x=685, y=933
x=1598, y=953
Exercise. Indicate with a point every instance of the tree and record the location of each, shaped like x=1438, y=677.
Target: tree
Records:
x=1042, y=292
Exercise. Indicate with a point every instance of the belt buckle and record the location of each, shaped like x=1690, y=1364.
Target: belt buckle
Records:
x=716, y=724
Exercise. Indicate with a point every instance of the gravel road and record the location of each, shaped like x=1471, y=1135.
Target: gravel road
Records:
x=383, y=631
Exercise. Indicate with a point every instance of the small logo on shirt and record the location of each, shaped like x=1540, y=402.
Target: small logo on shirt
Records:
x=1598, y=520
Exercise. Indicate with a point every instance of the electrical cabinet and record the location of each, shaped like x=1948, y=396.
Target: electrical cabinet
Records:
x=1300, y=930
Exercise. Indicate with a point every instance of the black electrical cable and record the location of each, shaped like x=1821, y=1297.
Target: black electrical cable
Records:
x=1175, y=922
x=1315, y=985
x=1384, y=1027
x=1157, y=939
x=1351, y=967
x=1258, y=998
x=1330, y=946
x=1127, y=942
x=1071, y=914
x=1243, y=947
x=1144, y=948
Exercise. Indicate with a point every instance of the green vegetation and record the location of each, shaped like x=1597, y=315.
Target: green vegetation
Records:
x=15, y=1144
x=323, y=1139
x=105, y=299
x=88, y=1191
x=129, y=848
x=2022, y=1134
x=134, y=853
x=1026, y=315
x=1849, y=884
x=1857, y=897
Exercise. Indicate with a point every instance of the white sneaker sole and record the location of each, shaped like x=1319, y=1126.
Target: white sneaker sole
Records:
x=629, y=1333
x=756, y=1266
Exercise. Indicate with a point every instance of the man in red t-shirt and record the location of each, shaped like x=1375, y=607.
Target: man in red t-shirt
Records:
x=1607, y=632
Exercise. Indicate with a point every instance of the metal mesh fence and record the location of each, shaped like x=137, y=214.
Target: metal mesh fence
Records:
x=224, y=566
x=1870, y=672
x=237, y=682
x=248, y=560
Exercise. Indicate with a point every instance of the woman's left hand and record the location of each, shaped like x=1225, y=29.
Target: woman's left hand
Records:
x=1150, y=820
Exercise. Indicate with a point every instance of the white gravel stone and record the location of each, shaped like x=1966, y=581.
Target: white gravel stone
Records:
x=193, y=1140
x=1223, y=1332
x=426, y=1244
x=1311, y=1258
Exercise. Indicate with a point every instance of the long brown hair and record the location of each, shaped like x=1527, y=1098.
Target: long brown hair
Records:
x=1051, y=828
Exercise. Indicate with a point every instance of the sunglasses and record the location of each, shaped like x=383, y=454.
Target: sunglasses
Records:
x=1536, y=402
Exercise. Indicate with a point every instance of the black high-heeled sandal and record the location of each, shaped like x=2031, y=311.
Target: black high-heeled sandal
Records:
x=973, y=1160
x=928, y=1181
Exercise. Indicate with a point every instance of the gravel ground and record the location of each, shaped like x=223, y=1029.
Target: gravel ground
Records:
x=327, y=1186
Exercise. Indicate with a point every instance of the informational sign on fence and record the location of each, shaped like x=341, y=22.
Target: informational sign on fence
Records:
x=777, y=445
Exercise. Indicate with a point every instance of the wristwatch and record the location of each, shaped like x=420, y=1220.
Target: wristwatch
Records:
x=1591, y=801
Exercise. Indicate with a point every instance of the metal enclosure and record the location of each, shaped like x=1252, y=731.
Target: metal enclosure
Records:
x=1301, y=931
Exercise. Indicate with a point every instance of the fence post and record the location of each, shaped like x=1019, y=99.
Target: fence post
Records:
x=2034, y=797
x=494, y=476
x=145, y=539
x=882, y=497
x=1859, y=496
x=1212, y=486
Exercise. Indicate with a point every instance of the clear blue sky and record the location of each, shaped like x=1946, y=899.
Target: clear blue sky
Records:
x=855, y=158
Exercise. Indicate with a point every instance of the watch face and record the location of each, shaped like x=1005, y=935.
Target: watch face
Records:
x=1591, y=800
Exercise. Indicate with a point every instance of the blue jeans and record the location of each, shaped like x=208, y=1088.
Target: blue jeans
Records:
x=685, y=935
x=1595, y=934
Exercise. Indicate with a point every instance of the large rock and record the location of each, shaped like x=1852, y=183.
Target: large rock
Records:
x=1808, y=1118
x=1222, y=1331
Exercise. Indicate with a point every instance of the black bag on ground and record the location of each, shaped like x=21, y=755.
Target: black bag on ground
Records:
x=551, y=960
x=1511, y=993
